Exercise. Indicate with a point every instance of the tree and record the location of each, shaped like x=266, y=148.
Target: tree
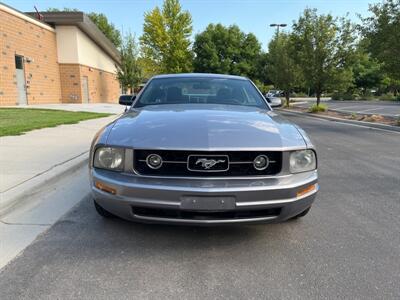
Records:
x=166, y=38
x=324, y=51
x=262, y=74
x=108, y=28
x=382, y=30
x=284, y=72
x=367, y=72
x=226, y=50
x=129, y=73
x=101, y=22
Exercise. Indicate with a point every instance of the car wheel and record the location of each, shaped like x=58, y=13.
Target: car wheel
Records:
x=102, y=212
x=302, y=214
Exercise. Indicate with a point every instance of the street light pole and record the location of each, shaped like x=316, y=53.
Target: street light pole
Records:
x=277, y=27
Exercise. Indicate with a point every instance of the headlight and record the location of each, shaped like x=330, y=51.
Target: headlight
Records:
x=302, y=161
x=109, y=158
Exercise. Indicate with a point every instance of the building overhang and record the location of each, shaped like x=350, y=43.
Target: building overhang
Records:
x=83, y=22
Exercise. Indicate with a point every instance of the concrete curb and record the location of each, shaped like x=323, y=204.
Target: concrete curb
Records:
x=359, y=123
x=362, y=113
x=21, y=193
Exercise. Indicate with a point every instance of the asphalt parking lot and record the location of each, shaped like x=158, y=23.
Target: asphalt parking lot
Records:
x=391, y=109
x=347, y=247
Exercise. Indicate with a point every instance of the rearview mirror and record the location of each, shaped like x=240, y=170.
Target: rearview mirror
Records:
x=126, y=99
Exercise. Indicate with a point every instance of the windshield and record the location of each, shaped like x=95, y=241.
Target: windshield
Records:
x=201, y=90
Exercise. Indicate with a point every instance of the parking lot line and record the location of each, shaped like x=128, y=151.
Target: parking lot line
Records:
x=370, y=109
x=347, y=107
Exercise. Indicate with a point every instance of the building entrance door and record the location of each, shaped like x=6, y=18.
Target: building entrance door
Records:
x=85, y=90
x=21, y=83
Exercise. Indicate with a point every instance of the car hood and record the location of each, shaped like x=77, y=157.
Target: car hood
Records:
x=204, y=127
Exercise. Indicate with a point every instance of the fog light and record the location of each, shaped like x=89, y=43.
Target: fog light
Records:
x=154, y=161
x=105, y=188
x=307, y=190
x=261, y=162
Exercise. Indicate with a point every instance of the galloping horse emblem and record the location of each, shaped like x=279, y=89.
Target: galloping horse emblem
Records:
x=209, y=163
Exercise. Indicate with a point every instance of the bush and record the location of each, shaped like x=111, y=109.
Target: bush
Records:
x=298, y=94
x=387, y=97
x=344, y=96
x=369, y=97
x=261, y=86
x=318, y=108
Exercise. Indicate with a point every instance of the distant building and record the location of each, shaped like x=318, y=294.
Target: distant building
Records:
x=63, y=58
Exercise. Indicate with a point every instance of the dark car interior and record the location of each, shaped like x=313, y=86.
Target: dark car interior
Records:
x=228, y=92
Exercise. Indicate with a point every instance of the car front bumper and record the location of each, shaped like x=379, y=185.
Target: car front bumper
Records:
x=203, y=201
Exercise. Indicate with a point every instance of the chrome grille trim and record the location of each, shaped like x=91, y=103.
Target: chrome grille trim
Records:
x=240, y=164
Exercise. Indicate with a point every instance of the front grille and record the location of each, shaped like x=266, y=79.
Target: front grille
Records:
x=230, y=163
x=204, y=215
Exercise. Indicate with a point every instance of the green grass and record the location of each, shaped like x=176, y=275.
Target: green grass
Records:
x=17, y=121
x=317, y=108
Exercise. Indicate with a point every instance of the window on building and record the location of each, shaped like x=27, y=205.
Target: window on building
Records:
x=19, y=62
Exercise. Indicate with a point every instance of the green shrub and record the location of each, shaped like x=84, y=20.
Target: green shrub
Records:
x=387, y=97
x=299, y=94
x=398, y=121
x=336, y=96
x=344, y=96
x=317, y=108
x=368, y=97
x=261, y=86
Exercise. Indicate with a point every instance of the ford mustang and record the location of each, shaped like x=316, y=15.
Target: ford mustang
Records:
x=202, y=149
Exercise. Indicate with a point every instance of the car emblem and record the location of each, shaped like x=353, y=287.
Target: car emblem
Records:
x=209, y=163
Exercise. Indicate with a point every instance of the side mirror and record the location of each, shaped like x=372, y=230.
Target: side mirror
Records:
x=126, y=100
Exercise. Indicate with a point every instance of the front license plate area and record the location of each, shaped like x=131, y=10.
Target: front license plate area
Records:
x=208, y=203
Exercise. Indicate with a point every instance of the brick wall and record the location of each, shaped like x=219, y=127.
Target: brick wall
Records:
x=70, y=83
x=21, y=37
x=103, y=86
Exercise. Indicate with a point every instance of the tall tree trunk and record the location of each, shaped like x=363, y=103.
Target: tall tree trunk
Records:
x=318, y=97
x=287, y=94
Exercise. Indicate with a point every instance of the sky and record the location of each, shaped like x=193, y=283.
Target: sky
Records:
x=250, y=15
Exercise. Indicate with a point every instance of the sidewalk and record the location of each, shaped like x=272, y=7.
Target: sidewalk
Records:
x=95, y=107
x=43, y=174
x=30, y=160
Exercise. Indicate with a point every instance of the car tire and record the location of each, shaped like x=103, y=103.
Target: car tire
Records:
x=102, y=212
x=302, y=214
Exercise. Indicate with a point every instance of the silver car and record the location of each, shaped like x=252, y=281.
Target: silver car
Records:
x=202, y=149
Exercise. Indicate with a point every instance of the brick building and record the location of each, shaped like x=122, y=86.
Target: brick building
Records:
x=64, y=58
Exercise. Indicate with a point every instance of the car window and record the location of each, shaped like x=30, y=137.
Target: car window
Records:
x=200, y=90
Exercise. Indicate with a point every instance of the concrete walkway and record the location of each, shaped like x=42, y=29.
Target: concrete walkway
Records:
x=95, y=107
x=43, y=174
x=31, y=159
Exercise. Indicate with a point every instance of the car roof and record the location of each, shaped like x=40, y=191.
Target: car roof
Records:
x=200, y=75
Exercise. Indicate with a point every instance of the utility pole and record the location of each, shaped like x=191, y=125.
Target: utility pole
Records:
x=277, y=27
